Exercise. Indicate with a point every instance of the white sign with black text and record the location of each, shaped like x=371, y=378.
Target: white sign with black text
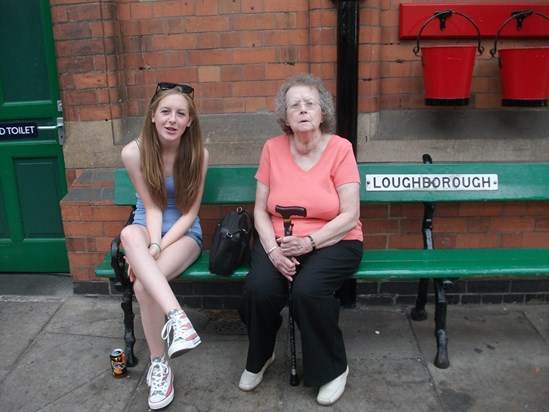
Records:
x=430, y=182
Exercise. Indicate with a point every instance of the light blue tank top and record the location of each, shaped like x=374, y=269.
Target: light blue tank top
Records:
x=169, y=215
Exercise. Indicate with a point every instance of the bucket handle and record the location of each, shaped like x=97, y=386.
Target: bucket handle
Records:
x=520, y=16
x=443, y=15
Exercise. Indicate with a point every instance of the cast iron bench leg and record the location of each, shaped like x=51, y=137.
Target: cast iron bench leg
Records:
x=129, y=336
x=441, y=359
x=418, y=312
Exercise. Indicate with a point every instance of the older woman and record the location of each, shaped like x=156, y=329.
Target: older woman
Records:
x=309, y=167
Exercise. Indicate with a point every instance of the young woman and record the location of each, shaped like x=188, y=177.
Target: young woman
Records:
x=167, y=165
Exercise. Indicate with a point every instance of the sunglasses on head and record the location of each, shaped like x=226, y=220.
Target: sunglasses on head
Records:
x=185, y=88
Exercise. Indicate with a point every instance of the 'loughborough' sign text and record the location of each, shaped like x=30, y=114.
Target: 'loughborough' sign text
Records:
x=449, y=182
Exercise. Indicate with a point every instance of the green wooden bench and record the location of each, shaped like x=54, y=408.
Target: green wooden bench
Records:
x=423, y=183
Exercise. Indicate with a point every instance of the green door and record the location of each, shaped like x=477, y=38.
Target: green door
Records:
x=32, y=169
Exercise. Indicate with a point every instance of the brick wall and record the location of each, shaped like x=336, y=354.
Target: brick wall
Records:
x=111, y=54
x=234, y=52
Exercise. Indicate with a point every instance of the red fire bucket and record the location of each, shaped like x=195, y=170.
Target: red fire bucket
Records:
x=524, y=72
x=447, y=70
x=524, y=76
x=447, y=73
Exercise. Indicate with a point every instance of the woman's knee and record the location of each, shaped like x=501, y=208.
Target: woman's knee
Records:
x=130, y=236
x=256, y=292
x=306, y=291
x=261, y=288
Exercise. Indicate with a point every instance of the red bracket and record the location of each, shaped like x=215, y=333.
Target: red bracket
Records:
x=488, y=17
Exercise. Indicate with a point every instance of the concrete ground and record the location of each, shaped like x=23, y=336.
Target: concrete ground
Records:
x=55, y=350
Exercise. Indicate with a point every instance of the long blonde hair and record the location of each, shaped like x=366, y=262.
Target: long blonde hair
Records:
x=189, y=161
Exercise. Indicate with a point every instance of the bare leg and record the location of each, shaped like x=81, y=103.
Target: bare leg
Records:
x=152, y=290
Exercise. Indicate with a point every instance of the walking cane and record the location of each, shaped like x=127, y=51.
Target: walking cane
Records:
x=287, y=212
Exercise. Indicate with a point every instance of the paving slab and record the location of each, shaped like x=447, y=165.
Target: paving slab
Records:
x=55, y=358
x=20, y=324
x=498, y=360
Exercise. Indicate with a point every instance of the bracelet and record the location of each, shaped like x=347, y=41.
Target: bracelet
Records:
x=313, y=243
x=156, y=244
x=271, y=250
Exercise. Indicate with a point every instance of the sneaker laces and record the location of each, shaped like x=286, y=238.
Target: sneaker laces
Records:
x=155, y=377
x=181, y=328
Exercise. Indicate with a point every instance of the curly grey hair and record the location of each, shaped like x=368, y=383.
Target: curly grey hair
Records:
x=326, y=102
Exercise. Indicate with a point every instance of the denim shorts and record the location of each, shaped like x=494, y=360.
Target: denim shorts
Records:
x=194, y=233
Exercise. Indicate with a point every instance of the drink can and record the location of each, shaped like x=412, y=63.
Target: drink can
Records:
x=118, y=363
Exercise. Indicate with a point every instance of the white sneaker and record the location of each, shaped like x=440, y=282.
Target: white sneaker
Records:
x=330, y=392
x=160, y=379
x=179, y=334
x=249, y=380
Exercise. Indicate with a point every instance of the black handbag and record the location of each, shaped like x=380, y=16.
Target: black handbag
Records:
x=231, y=242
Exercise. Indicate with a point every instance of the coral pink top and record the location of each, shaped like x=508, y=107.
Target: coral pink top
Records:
x=315, y=189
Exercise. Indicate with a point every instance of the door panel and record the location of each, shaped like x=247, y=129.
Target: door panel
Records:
x=32, y=169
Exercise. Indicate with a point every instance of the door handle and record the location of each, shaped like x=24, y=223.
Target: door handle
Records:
x=60, y=127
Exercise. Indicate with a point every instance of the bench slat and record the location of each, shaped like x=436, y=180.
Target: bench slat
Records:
x=437, y=263
x=441, y=263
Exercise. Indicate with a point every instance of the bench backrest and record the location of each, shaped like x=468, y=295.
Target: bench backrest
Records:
x=386, y=182
x=224, y=185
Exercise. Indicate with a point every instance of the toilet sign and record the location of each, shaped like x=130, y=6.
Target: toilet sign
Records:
x=18, y=130
x=431, y=182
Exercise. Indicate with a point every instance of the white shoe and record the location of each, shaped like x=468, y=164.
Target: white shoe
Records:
x=249, y=380
x=330, y=392
x=179, y=334
x=160, y=379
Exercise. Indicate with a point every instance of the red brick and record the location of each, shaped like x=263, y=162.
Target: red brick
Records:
x=81, y=259
x=374, y=211
x=141, y=11
x=78, y=244
x=511, y=224
x=375, y=226
x=110, y=214
x=537, y=208
x=477, y=241
x=80, y=274
x=407, y=210
x=449, y=225
x=94, y=113
x=477, y=225
x=511, y=240
x=375, y=242
x=83, y=229
x=541, y=224
x=536, y=240
x=406, y=242
x=481, y=209
x=86, y=213
x=70, y=213
x=445, y=241
x=112, y=229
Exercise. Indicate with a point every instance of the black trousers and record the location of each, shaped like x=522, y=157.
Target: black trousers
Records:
x=314, y=307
